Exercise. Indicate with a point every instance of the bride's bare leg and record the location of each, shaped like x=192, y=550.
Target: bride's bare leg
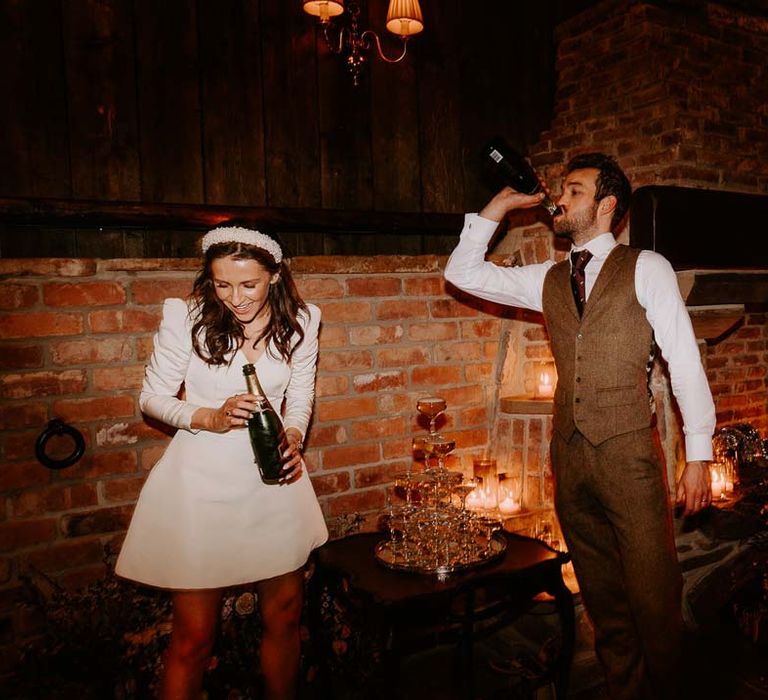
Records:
x=195, y=620
x=280, y=600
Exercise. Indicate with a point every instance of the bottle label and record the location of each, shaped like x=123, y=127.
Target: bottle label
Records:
x=496, y=155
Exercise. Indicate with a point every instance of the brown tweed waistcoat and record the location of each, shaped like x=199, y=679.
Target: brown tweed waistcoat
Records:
x=601, y=358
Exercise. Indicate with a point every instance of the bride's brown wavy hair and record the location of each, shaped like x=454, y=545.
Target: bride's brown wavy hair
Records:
x=216, y=332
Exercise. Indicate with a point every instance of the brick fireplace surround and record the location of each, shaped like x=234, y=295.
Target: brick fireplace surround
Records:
x=677, y=92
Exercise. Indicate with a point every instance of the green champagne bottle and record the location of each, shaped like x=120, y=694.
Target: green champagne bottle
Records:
x=265, y=430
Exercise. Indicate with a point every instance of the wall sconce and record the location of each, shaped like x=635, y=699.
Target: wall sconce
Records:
x=403, y=19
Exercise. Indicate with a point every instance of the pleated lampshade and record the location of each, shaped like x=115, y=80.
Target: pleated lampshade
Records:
x=324, y=8
x=404, y=17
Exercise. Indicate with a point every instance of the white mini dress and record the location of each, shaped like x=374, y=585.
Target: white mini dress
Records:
x=204, y=518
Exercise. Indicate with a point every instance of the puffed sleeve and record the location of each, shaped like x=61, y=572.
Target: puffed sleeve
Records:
x=167, y=368
x=300, y=392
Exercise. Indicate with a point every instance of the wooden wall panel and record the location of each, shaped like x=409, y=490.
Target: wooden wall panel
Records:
x=489, y=62
x=169, y=101
x=18, y=241
x=240, y=102
x=394, y=122
x=34, y=141
x=232, y=102
x=507, y=82
x=105, y=242
x=101, y=94
x=344, y=114
x=439, y=104
x=290, y=102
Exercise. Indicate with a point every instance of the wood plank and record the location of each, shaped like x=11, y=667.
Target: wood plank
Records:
x=479, y=90
x=344, y=118
x=442, y=181
x=172, y=243
x=232, y=102
x=33, y=110
x=133, y=243
x=102, y=243
x=347, y=243
x=290, y=101
x=507, y=87
x=27, y=241
x=712, y=323
x=296, y=243
x=522, y=405
x=169, y=99
x=394, y=121
x=101, y=94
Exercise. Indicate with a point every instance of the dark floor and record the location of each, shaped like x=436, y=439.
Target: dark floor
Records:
x=724, y=666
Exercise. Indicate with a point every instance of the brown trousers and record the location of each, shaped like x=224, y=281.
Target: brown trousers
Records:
x=614, y=510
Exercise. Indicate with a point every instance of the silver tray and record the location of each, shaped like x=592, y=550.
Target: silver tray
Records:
x=383, y=553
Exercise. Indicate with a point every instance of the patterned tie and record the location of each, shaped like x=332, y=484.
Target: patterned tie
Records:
x=579, y=261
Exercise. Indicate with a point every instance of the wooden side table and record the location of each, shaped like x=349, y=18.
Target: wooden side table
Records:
x=401, y=606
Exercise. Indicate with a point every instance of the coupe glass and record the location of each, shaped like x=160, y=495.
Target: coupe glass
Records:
x=405, y=486
x=462, y=490
x=487, y=526
x=431, y=407
x=440, y=446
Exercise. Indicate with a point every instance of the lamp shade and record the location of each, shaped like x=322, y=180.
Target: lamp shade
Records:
x=404, y=17
x=324, y=8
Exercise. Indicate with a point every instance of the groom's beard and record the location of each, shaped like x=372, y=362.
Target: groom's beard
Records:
x=567, y=226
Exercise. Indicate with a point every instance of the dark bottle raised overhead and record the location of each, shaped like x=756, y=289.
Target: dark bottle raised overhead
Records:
x=265, y=430
x=512, y=169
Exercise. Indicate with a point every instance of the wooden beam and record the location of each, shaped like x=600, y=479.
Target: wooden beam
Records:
x=712, y=323
x=712, y=287
x=94, y=214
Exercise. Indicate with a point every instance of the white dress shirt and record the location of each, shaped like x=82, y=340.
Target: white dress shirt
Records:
x=657, y=292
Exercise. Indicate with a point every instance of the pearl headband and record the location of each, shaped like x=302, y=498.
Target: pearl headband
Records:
x=237, y=234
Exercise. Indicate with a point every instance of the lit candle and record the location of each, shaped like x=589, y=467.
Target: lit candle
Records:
x=488, y=496
x=545, y=385
x=717, y=483
x=509, y=505
x=474, y=501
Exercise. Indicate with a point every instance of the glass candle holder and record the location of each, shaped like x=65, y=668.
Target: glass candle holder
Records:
x=484, y=471
x=717, y=476
x=509, y=495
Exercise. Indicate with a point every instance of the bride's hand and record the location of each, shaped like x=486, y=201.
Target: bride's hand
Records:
x=293, y=456
x=232, y=414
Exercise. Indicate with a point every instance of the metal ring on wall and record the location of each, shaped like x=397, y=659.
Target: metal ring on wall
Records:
x=57, y=428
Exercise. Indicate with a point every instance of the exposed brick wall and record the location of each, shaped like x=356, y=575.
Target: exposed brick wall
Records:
x=77, y=333
x=737, y=369
x=676, y=90
x=391, y=333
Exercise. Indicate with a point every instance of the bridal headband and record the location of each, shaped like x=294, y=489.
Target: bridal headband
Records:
x=237, y=234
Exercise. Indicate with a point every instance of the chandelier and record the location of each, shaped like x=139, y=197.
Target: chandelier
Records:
x=403, y=19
